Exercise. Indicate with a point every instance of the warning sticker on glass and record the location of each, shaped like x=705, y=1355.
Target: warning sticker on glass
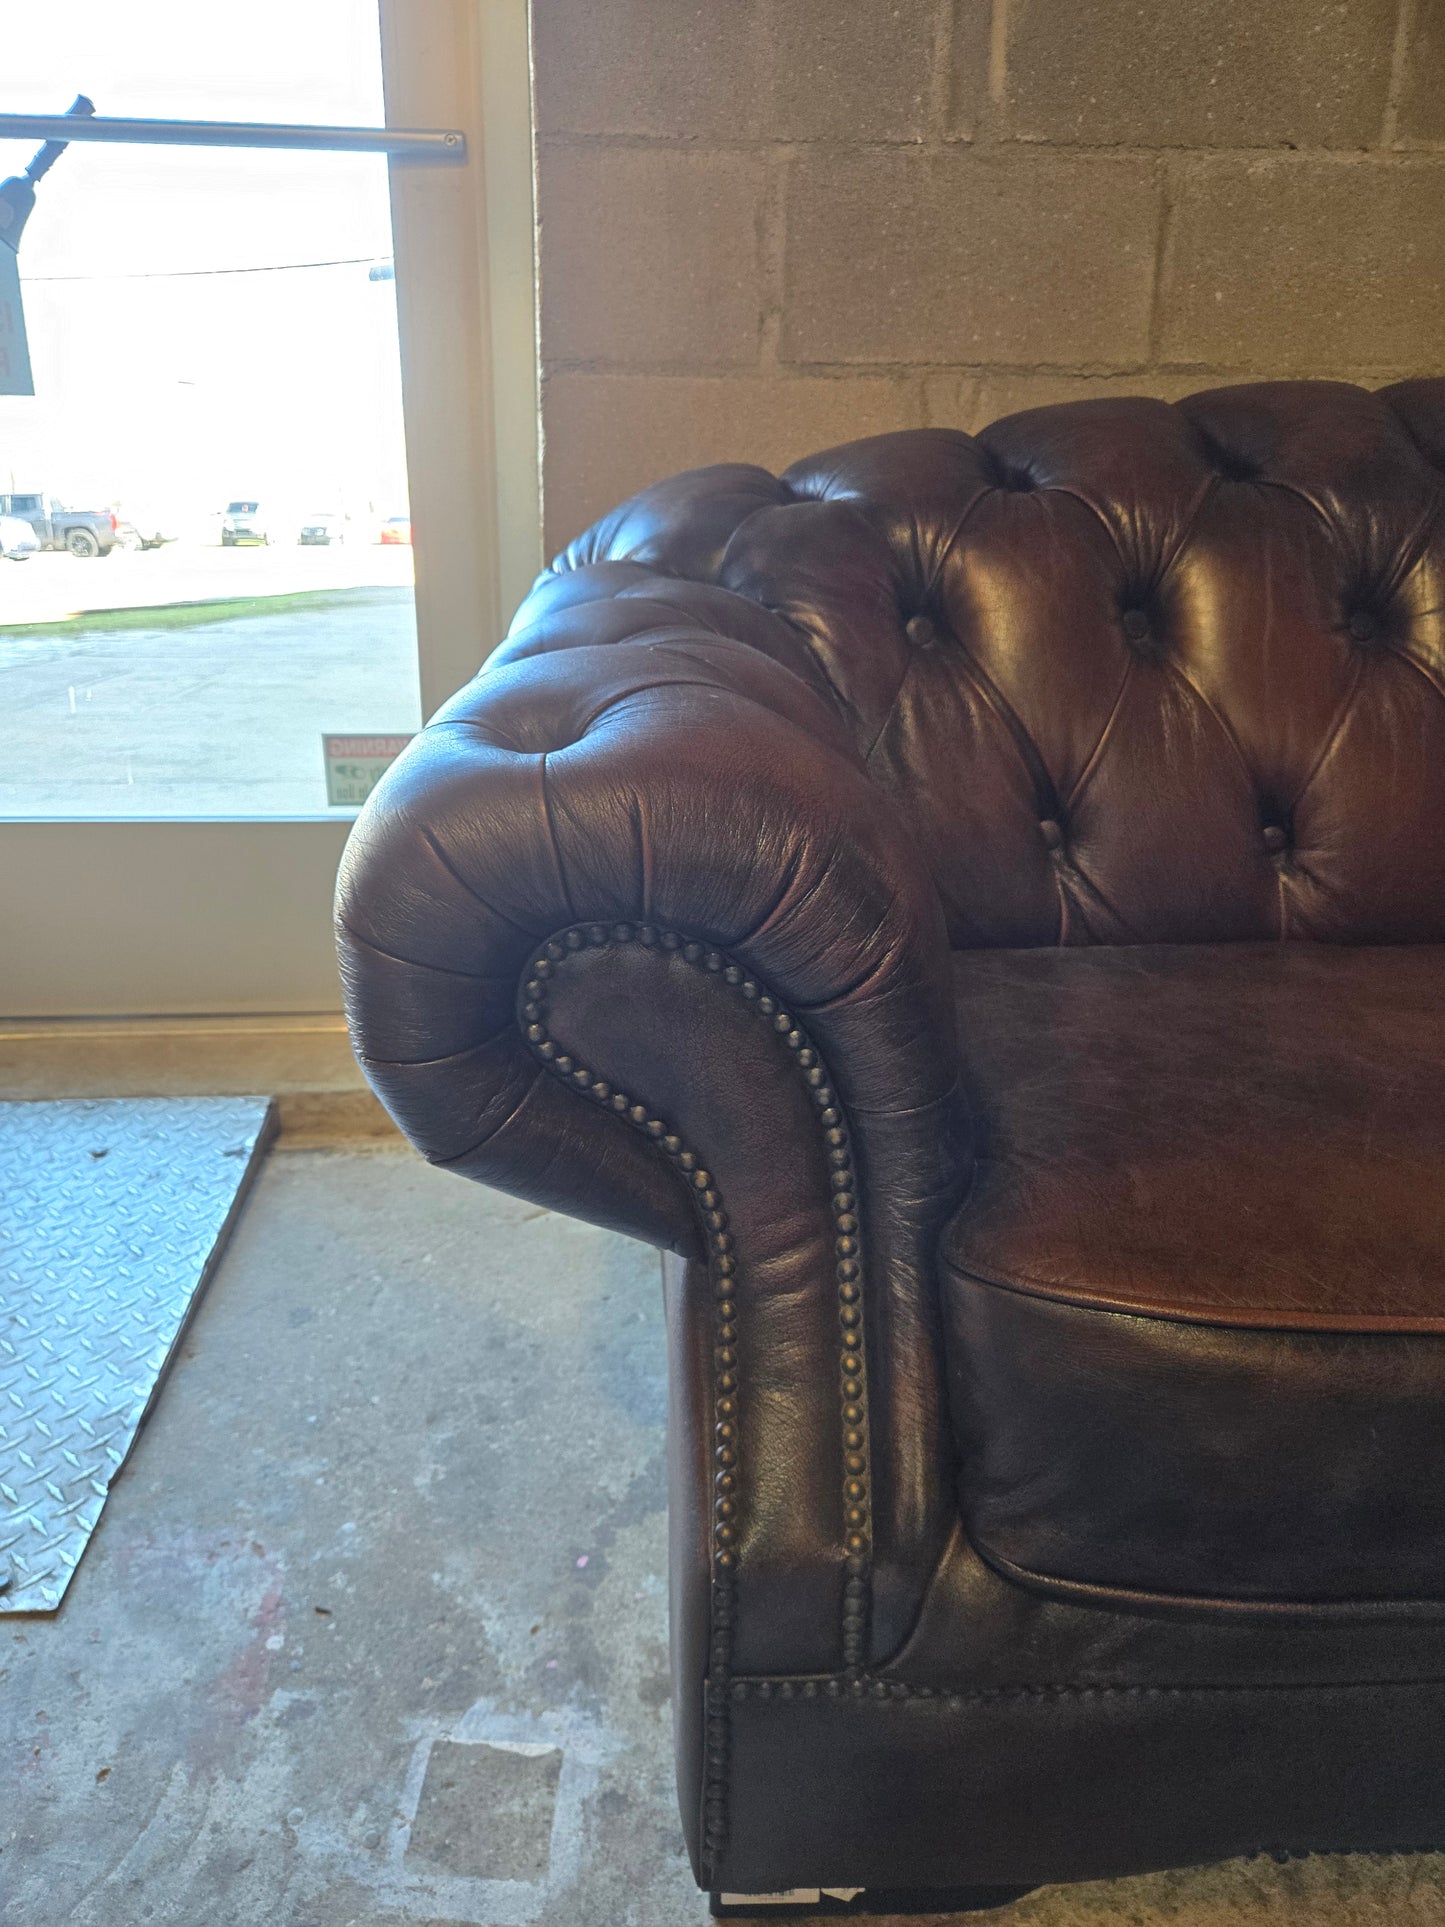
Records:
x=356, y=764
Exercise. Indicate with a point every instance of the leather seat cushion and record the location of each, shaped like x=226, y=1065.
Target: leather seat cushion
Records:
x=1195, y=1300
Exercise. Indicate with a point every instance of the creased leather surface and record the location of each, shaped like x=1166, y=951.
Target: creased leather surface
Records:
x=978, y=1632
x=1130, y=669
x=1246, y=1145
x=695, y=1056
x=1249, y=1133
x=1118, y=673
x=1169, y=653
x=634, y=768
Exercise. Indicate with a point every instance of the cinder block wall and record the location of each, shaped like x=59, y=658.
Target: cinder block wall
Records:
x=770, y=225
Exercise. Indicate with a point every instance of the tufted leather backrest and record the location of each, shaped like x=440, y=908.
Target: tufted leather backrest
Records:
x=1136, y=672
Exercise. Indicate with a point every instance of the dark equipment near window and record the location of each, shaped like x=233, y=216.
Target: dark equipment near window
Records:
x=17, y=201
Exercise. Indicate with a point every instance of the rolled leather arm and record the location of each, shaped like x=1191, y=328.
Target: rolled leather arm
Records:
x=628, y=932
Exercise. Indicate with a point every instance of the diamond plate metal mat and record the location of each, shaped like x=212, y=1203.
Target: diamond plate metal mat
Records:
x=113, y=1213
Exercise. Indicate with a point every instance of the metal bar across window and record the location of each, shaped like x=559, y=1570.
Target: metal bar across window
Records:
x=408, y=143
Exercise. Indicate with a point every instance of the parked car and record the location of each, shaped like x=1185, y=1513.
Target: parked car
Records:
x=396, y=528
x=322, y=529
x=86, y=532
x=244, y=525
x=18, y=541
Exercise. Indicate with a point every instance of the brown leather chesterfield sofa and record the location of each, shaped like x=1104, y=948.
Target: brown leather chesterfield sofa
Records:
x=978, y=906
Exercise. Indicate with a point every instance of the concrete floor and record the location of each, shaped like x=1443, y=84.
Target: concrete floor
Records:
x=373, y=1630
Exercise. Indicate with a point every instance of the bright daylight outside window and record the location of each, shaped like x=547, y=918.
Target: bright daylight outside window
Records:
x=203, y=509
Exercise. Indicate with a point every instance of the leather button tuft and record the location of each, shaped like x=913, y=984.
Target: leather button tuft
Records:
x=920, y=632
x=1008, y=475
x=1363, y=627
x=1136, y=625
x=1275, y=838
x=1052, y=834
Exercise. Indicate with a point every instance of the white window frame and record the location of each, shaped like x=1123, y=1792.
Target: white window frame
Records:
x=120, y=916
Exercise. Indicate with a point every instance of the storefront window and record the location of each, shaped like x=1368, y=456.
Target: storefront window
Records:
x=204, y=503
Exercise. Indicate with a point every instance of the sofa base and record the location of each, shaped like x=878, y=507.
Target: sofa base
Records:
x=887, y=1902
x=1035, y=1786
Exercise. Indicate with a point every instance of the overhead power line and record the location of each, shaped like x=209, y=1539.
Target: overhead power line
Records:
x=186, y=274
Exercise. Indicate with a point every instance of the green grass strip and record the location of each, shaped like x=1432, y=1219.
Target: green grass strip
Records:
x=193, y=615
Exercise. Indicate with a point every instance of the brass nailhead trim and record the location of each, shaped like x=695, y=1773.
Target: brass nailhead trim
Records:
x=956, y=1699
x=722, y=1265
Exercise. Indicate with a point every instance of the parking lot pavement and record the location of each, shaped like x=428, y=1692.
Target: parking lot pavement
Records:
x=202, y=713
x=52, y=588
